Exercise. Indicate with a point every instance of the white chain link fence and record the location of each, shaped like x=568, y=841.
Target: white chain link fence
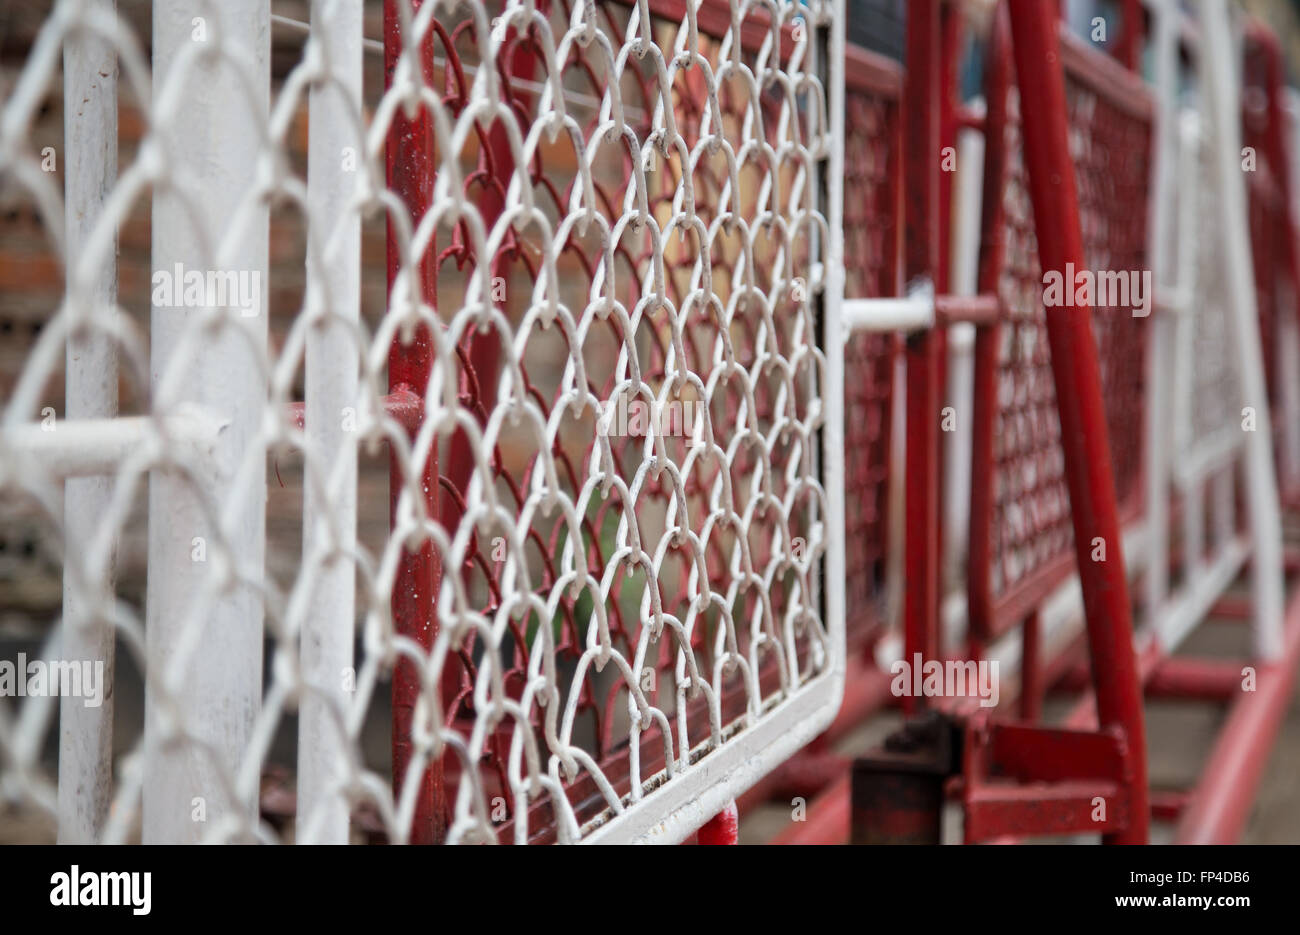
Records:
x=595, y=376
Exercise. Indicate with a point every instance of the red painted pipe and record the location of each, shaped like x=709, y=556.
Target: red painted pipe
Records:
x=403, y=406
x=1031, y=669
x=806, y=774
x=993, y=237
x=1077, y=377
x=976, y=309
x=1129, y=52
x=1221, y=803
x=921, y=152
x=410, y=169
x=1168, y=804
x=826, y=821
x=722, y=828
x=1176, y=677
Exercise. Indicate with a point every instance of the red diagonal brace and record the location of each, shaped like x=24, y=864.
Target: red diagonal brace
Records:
x=1078, y=393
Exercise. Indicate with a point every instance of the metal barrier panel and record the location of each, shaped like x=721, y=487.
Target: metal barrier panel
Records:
x=1021, y=538
x=604, y=364
x=1198, y=447
x=872, y=239
x=1211, y=437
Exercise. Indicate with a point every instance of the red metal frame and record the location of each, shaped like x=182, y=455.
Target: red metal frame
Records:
x=920, y=264
x=873, y=183
x=1122, y=105
x=1083, y=420
x=1064, y=768
x=722, y=828
x=1077, y=375
x=1217, y=811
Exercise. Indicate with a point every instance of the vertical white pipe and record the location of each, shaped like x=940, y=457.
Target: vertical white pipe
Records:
x=216, y=689
x=968, y=191
x=895, y=571
x=334, y=288
x=1219, y=74
x=834, y=336
x=1166, y=275
x=90, y=170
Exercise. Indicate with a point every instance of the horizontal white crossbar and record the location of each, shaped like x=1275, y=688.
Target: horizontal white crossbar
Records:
x=912, y=313
x=88, y=447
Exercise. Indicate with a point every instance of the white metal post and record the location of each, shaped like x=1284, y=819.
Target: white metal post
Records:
x=968, y=192
x=334, y=292
x=1164, y=210
x=1222, y=94
x=834, y=335
x=90, y=171
x=203, y=687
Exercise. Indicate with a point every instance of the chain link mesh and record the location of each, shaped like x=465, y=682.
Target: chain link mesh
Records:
x=871, y=248
x=1030, y=537
x=596, y=364
x=1208, y=415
